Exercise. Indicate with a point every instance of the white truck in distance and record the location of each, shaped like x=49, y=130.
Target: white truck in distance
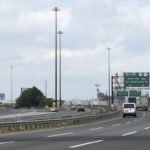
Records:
x=129, y=109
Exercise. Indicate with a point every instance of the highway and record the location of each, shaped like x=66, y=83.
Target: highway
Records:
x=23, y=115
x=116, y=134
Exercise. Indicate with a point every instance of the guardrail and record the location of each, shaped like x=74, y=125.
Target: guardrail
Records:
x=18, y=117
x=54, y=122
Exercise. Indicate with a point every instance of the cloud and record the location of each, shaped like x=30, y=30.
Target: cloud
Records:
x=33, y=20
x=27, y=42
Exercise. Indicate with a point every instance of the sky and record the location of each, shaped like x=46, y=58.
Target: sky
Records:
x=90, y=27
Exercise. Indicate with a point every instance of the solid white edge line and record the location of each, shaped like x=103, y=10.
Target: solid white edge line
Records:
x=84, y=144
x=114, y=125
x=129, y=133
x=147, y=128
x=96, y=128
x=7, y=142
x=55, y=135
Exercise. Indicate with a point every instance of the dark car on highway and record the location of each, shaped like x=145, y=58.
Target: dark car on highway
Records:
x=81, y=109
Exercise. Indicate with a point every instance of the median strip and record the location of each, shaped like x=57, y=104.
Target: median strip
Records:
x=6, y=142
x=84, y=144
x=56, y=135
x=130, y=133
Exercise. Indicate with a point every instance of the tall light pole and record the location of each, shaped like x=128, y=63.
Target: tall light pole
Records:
x=56, y=9
x=46, y=91
x=46, y=88
x=60, y=101
x=97, y=85
x=108, y=76
x=11, y=73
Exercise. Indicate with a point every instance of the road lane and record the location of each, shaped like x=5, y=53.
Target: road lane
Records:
x=110, y=132
x=138, y=141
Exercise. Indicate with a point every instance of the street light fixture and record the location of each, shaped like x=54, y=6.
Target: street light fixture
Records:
x=60, y=101
x=56, y=9
x=108, y=76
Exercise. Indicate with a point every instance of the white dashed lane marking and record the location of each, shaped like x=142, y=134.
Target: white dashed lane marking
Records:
x=114, y=125
x=6, y=142
x=96, y=128
x=56, y=135
x=84, y=144
x=147, y=128
x=130, y=133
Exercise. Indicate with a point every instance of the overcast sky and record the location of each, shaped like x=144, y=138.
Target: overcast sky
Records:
x=89, y=26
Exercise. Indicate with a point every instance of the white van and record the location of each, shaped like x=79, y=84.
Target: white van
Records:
x=129, y=109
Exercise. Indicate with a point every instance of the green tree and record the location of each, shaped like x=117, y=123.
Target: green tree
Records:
x=49, y=102
x=32, y=97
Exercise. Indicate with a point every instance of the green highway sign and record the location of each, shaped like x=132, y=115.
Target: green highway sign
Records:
x=136, y=79
x=134, y=93
x=122, y=93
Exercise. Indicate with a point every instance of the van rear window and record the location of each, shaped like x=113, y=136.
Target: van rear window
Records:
x=128, y=105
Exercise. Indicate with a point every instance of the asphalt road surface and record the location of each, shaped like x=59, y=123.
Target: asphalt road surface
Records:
x=113, y=134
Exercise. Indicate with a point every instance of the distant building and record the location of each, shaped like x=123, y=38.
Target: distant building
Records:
x=85, y=103
x=2, y=96
x=99, y=103
x=67, y=103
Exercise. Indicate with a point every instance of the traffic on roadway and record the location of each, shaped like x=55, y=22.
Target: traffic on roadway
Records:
x=115, y=134
x=24, y=115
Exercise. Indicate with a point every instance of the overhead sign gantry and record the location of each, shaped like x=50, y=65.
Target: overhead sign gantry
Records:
x=130, y=84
